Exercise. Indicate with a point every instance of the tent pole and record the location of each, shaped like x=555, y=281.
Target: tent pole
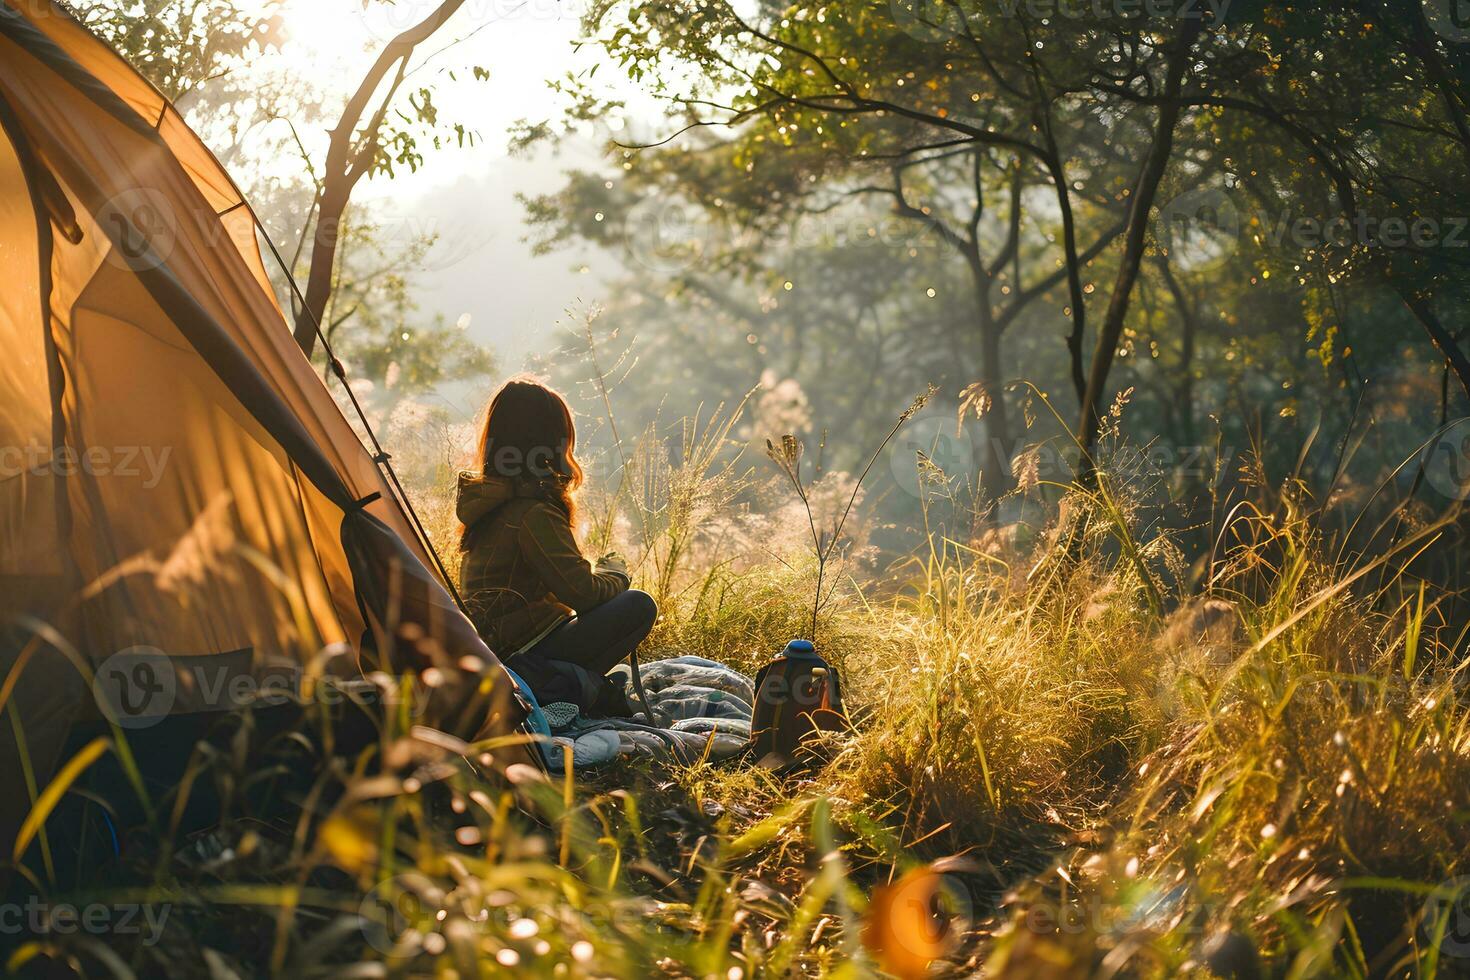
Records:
x=38, y=751
x=380, y=456
x=45, y=246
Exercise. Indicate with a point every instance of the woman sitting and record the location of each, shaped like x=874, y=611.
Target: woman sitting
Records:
x=558, y=620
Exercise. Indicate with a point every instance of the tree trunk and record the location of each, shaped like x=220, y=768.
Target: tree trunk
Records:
x=1186, y=383
x=325, y=237
x=1454, y=358
x=1138, y=222
x=995, y=457
x=347, y=164
x=1074, y=276
x=1189, y=330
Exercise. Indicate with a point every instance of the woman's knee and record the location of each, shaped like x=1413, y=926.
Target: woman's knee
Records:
x=642, y=606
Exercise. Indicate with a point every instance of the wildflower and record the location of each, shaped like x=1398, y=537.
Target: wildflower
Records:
x=975, y=397
x=918, y=404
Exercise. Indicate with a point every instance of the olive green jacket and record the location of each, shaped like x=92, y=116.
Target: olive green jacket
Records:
x=524, y=574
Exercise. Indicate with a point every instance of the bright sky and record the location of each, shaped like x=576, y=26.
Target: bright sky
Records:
x=482, y=269
x=523, y=43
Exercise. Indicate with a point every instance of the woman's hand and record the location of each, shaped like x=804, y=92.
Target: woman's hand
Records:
x=615, y=563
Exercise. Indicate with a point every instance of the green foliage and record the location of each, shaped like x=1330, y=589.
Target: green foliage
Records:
x=374, y=322
x=188, y=48
x=181, y=44
x=1328, y=134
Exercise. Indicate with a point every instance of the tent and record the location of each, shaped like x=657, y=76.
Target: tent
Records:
x=183, y=505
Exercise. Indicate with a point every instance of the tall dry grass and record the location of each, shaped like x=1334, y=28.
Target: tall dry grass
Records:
x=1065, y=762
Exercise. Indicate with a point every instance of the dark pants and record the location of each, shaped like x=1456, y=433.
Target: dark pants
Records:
x=597, y=641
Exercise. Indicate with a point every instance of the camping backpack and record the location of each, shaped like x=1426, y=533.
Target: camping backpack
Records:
x=796, y=696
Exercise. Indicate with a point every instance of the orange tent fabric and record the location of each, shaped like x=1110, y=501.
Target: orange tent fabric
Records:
x=176, y=481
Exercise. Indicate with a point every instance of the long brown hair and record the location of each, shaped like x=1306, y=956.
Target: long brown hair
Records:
x=530, y=438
